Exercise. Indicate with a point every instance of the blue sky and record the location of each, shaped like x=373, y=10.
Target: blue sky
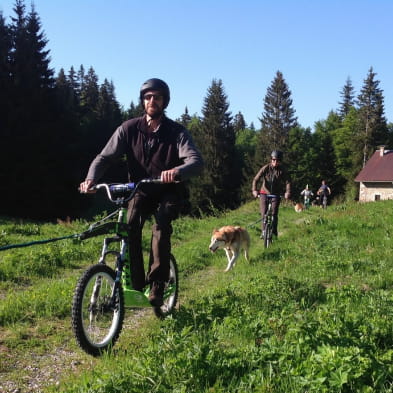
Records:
x=316, y=44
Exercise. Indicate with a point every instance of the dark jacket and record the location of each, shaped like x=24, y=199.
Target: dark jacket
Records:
x=148, y=154
x=272, y=180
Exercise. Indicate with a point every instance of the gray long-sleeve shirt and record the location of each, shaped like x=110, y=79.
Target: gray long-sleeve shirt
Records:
x=148, y=154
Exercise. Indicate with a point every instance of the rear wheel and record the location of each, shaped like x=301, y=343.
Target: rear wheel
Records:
x=97, y=322
x=171, y=291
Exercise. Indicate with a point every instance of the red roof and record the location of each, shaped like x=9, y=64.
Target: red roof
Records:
x=378, y=168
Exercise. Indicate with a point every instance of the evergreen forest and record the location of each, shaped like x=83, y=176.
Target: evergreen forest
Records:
x=53, y=123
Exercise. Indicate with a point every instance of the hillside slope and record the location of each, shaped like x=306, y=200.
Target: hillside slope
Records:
x=310, y=314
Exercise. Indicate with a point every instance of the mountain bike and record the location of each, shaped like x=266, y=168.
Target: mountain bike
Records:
x=268, y=221
x=323, y=200
x=103, y=292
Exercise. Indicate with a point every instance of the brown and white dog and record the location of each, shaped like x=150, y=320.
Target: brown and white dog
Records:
x=232, y=239
x=299, y=207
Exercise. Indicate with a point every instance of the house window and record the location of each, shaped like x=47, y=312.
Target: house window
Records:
x=377, y=197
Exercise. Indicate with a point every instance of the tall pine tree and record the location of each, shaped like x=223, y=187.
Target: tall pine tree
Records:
x=185, y=118
x=5, y=92
x=109, y=117
x=5, y=81
x=239, y=123
x=32, y=116
x=277, y=119
x=347, y=154
x=220, y=181
x=133, y=111
x=348, y=98
x=373, y=127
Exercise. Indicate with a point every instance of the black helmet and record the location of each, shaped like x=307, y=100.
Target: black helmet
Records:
x=277, y=154
x=156, y=84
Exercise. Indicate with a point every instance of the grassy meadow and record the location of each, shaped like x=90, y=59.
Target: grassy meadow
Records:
x=313, y=313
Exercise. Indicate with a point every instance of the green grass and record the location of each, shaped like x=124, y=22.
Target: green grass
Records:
x=313, y=313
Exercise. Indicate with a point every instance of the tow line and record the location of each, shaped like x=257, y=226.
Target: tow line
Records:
x=39, y=242
x=256, y=222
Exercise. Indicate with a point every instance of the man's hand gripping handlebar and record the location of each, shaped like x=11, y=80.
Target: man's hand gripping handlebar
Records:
x=169, y=176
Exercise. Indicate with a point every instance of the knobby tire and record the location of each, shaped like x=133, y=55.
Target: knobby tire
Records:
x=171, y=301
x=95, y=323
x=267, y=240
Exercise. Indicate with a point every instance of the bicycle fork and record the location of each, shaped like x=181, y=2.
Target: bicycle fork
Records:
x=112, y=301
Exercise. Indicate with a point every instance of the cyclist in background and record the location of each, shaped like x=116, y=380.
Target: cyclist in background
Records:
x=323, y=192
x=155, y=147
x=272, y=178
x=307, y=194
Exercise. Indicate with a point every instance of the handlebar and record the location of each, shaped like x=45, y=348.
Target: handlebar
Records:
x=269, y=195
x=122, y=188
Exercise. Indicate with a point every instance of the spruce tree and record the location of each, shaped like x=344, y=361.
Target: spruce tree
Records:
x=133, y=111
x=5, y=81
x=73, y=82
x=32, y=117
x=5, y=92
x=108, y=107
x=348, y=98
x=218, y=149
x=66, y=93
x=239, y=123
x=109, y=117
x=278, y=116
x=32, y=77
x=347, y=156
x=40, y=59
x=373, y=127
x=89, y=95
x=185, y=118
x=91, y=141
x=67, y=127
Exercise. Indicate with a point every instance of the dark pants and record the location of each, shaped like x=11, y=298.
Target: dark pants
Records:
x=165, y=208
x=321, y=198
x=263, y=208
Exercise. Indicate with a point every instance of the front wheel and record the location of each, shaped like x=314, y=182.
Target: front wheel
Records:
x=97, y=317
x=171, y=291
x=267, y=240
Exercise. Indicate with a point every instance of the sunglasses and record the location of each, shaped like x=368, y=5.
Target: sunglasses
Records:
x=148, y=97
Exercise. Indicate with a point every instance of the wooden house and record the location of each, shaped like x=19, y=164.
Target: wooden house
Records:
x=376, y=178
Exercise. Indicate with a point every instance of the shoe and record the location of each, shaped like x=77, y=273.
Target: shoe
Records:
x=156, y=296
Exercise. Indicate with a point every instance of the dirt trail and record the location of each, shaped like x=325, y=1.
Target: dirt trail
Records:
x=34, y=372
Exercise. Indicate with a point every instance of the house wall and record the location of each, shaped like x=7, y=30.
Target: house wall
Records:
x=369, y=191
